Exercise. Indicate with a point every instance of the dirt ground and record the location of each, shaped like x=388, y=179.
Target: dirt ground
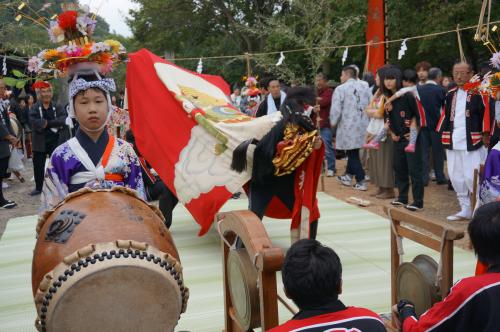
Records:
x=19, y=192
x=439, y=201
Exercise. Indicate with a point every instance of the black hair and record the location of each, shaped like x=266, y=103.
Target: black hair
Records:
x=458, y=62
x=434, y=73
x=302, y=95
x=129, y=137
x=484, y=232
x=269, y=80
x=311, y=274
x=391, y=72
x=409, y=75
x=264, y=82
x=350, y=70
x=423, y=65
x=88, y=76
x=369, y=78
x=322, y=75
x=292, y=110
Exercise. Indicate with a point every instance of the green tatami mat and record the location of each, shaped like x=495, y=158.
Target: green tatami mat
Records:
x=359, y=237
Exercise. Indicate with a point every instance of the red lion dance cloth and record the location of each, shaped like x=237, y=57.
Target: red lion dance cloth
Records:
x=187, y=129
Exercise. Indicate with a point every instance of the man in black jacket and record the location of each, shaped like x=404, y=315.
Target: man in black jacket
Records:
x=271, y=104
x=7, y=139
x=47, y=120
x=432, y=97
x=465, y=128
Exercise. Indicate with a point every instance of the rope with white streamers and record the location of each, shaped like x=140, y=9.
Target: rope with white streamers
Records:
x=281, y=59
x=403, y=49
x=344, y=55
x=4, y=66
x=199, y=68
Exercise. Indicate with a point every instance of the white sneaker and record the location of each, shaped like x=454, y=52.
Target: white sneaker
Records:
x=432, y=175
x=346, y=180
x=330, y=173
x=5, y=185
x=460, y=216
x=367, y=178
x=361, y=186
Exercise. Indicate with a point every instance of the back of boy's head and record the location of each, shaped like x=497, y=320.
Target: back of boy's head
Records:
x=311, y=274
x=484, y=232
x=409, y=75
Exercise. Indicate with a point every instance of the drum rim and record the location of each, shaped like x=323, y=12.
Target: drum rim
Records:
x=414, y=269
x=120, y=189
x=242, y=259
x=91, y=255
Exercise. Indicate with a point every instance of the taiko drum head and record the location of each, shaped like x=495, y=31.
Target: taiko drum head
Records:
x=104, y=261
x=242, y=277
x=416, y=283
x=16, y=126
x=111, y=293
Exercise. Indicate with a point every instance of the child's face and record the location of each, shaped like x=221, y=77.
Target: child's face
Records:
x=422, y=74
x=390, y=83
x=91, y=108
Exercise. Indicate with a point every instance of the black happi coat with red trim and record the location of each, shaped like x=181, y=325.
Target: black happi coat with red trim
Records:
x=478, y=120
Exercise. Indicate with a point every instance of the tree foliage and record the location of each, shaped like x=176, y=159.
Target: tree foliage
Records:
x=412, y=18
x=201, y=29
x=192, y=28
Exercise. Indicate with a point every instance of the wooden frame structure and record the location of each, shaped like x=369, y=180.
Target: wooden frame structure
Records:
x=478, y=175
x=267, y=261
x=405, y=224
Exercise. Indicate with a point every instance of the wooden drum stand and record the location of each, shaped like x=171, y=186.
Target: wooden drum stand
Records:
x=250, y=293
x=422, y=278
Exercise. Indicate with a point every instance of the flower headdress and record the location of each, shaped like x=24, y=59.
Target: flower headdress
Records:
x=251, y=89
x=489, y=84
x=73, y=29
x=78, y=56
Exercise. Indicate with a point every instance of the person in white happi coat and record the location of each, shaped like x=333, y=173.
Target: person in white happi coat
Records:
x=349, y=101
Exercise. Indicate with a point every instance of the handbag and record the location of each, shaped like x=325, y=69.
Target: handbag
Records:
x=16, y=160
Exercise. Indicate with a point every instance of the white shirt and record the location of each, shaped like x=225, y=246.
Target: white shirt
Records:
x=236, y=100
x=459, y=138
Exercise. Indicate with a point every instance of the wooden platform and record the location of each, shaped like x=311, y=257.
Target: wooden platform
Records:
x=360, y=238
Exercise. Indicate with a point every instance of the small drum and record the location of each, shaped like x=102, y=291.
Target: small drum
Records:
x=416, y=282
x=243, y=289
x=16, y=125
x=104, y=261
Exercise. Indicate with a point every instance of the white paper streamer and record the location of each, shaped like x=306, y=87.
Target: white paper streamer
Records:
x=281, y=59
x=4, y=66
x=199, y=69
x=403, y=49
x=344, y=56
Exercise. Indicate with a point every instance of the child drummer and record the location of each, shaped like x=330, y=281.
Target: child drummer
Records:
x=92, y=158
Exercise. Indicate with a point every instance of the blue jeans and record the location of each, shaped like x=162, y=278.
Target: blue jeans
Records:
x=354, y=166
x=326, y=135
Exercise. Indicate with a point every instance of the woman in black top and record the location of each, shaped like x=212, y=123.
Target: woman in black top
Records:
x=407, y=166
